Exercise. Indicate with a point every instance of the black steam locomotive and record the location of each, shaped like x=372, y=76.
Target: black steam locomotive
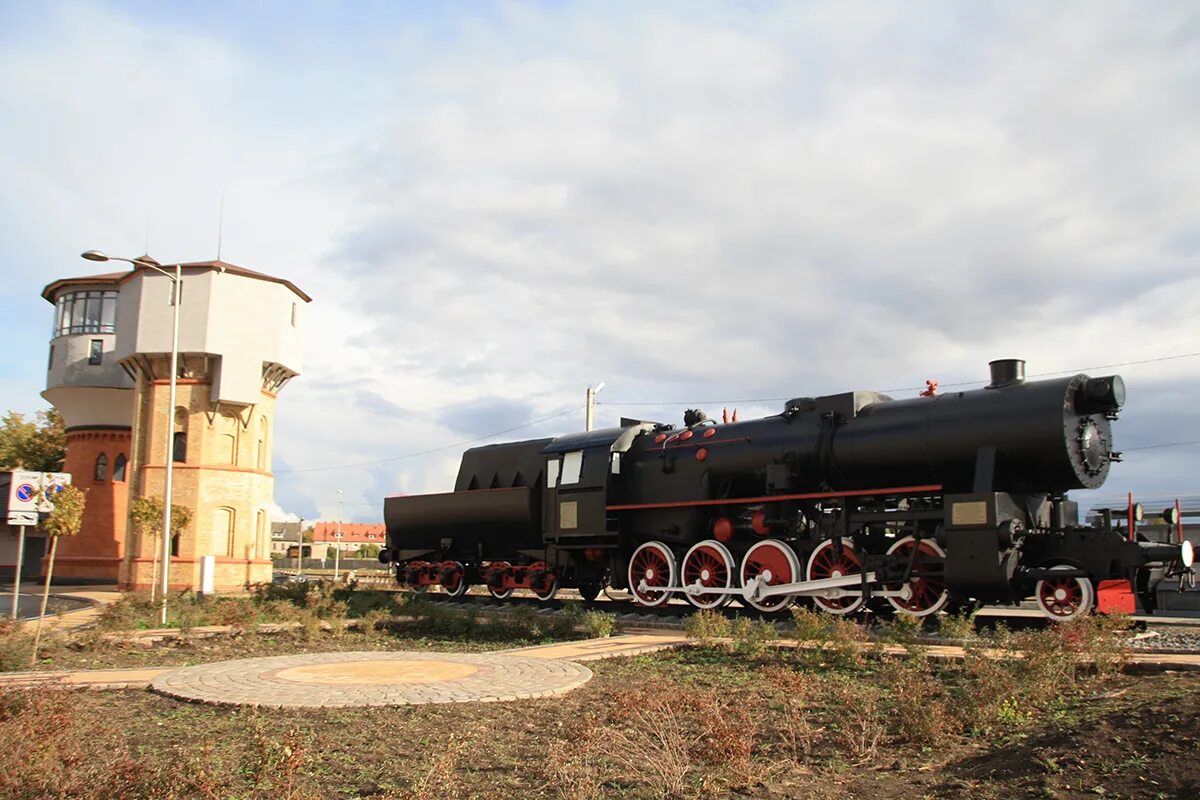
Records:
x=849, y=499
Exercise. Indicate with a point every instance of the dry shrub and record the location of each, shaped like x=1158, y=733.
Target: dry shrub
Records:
x=658, y=733
x=798, y=727
x=861, y=719
x=238, y=613
x=572, y=767
x=809, y=625
x=904, y=630
x=845, y=642
x=15, y=647
x=752, y=638
x=375, y=623
x=957, y=627
x=988, y=691
x=916, y=701
x=441, y=781
x=50, y=752
x=132, y=611
x=827, y=639
x=706, y=627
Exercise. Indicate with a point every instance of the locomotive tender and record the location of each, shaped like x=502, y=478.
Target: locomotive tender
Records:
x=847, y=499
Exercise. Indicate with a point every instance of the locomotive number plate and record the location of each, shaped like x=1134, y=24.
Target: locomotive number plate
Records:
x=568, y=515
x=973, y=513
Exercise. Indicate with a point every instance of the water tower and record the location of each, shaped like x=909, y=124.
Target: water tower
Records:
x=239, y=344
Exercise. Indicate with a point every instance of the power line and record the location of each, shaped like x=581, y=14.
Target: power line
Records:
x=902, y=388
x=573, y=409
x=1158, y=446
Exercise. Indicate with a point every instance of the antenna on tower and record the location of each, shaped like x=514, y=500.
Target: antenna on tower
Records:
x=221, y=225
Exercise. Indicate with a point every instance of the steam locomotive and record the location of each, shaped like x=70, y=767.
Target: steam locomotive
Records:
x=849, y=500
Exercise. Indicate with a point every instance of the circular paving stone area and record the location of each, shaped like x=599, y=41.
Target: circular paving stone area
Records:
x=372, y=679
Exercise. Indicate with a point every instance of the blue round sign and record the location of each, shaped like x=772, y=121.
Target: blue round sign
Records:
x=25, y=492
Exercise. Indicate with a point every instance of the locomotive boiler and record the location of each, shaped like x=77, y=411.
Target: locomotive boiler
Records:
x=848, y=500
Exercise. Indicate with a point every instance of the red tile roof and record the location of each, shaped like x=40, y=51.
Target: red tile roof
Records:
x=362, y=533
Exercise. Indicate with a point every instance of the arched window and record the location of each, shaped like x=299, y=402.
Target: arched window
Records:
x=101, y=467
x=261, y=452
x=119, y=468
x=260, y=535
x=222, y=531
x=180, y=435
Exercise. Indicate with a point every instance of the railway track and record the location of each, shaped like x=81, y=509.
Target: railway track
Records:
x=1152, y=632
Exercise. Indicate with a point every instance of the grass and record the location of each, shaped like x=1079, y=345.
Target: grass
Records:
x=321, y=619
x=698, y=722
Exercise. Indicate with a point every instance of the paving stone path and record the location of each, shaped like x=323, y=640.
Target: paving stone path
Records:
x=371, y=679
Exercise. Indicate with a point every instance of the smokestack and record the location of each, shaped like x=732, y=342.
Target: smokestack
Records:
x=1006, y=372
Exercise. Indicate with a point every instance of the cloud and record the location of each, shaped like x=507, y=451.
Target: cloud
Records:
x=495, y=210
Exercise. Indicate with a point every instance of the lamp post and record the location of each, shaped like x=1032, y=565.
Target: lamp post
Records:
x=337, y=550
x=96, y=255
x=590, y=414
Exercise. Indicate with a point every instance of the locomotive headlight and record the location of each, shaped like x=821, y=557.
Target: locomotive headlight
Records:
x=1101, y=395
x=1186, y=554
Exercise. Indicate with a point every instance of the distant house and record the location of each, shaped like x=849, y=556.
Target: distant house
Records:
x=284, y=535
x=353, y=534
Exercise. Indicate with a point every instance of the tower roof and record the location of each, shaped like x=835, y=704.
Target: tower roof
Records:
x=116, y=278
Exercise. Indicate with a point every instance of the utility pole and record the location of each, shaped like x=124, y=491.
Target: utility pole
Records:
x=337, y=537
x=589, y=418
x=300, y=549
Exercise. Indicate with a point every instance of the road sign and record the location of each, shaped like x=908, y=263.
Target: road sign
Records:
x=22, y=518
x=24, y=494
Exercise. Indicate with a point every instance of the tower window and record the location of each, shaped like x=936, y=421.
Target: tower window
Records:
x=85, y=312
x=50, y=364
x=179, y=440
x=101, y=467
x=96, y=352
x=119, y=468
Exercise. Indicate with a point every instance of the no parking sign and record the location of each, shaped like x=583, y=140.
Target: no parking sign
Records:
x=30, y=492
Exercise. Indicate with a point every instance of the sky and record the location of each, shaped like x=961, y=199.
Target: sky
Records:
x=496, y=205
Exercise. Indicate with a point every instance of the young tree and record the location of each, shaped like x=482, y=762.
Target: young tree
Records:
x=66, y=519
x=147, y=513
x=39, y=445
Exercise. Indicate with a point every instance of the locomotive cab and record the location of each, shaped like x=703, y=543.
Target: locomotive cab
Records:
x=583, y=477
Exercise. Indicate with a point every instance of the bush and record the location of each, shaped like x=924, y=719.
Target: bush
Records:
x=798, y=728
x=15, y=647
x=861, y=721
x=598, y=624
x=751, y=638
x=904, y=630
x=660, y=733
x=957, y=626
x=706, y=627
x=916, y=701
x=809, y=625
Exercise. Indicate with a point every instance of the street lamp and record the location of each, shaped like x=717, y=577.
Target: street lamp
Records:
x=337, y=550
x=96, y=255
x=590, y=414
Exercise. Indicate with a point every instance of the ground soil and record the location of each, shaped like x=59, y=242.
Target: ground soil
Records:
x=1132, y=737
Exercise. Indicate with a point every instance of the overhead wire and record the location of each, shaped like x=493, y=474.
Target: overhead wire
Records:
x=530, y=424
x=727, y=401
x=898, y=389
